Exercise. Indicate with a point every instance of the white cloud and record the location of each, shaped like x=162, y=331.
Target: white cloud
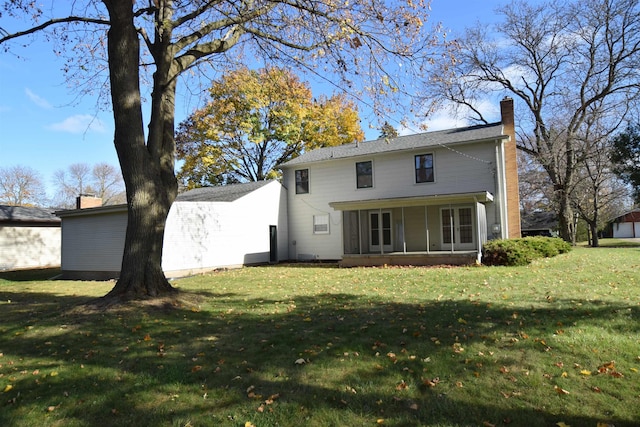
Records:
x=80, y=123
x=36, y=99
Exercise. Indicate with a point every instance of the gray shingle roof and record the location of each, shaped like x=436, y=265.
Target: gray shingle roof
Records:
x=26, y=214
x=223, y=193
x=408, y=142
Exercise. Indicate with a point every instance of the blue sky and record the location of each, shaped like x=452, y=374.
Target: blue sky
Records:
x=46, y=127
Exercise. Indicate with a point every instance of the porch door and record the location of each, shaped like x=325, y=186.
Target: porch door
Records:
x=380, y=231
x=457, y=223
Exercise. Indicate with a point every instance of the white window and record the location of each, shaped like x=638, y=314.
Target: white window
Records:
x=321, y=224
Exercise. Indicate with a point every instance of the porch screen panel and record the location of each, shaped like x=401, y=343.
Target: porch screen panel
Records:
x=447, y=226
x=481, y=212
x=386, y=228
x=465, y=218
x=375, y=230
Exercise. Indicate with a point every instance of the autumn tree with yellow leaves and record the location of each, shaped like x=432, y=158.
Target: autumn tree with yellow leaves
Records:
x=256, y=120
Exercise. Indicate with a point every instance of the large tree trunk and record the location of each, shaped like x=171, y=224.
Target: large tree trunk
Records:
x=148, y=174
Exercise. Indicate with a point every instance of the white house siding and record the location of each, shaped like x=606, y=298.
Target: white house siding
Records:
x=622, y=230
x=94, y=243
x=467, y=168
x=29, y=247
x=202, y=236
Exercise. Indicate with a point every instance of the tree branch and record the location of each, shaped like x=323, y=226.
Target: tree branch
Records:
x=51, y=22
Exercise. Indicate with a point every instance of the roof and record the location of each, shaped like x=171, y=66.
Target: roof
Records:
x=223, y=193
x=408, y=142
x=25, y=214
x=630, y=216
x=539, y=220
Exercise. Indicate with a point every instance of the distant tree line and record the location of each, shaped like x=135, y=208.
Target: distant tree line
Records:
x=24, y=186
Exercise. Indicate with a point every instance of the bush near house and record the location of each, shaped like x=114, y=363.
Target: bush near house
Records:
x=518, y=252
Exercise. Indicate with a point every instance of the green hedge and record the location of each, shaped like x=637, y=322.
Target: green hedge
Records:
x=514, y=252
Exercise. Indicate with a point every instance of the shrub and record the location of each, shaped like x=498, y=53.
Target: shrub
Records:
x=517, y=252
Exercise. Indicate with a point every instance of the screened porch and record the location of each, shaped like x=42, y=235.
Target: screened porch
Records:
x=426, y=230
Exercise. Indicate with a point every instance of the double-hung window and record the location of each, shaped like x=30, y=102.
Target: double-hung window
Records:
x=424, y=168
x=321, y=224
x=302, y=181
x=364, y=174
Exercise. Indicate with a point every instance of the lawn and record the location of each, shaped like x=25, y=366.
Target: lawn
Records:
x=314, y=345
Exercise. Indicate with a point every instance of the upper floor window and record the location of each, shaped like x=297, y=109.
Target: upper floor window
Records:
x=302, y=181
x=424, y=168
x=364, y=174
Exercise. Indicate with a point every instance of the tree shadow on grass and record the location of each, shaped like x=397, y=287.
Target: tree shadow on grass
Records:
x=358, y=359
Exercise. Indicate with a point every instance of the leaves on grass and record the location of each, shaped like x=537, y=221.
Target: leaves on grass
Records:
x=560, y=390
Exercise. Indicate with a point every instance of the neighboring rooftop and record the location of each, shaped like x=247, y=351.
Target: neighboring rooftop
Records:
x=223, y=193
x=407, y=142
x=539, y=220
x=23, y=214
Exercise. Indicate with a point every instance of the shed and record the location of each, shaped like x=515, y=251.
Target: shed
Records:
x=207, y=228
x=626, y=225
x=29, y=238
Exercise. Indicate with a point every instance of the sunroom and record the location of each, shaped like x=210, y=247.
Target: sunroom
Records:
x=423, y=230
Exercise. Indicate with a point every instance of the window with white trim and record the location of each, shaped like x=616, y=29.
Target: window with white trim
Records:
x=321, y=224
x=302, y=181
x=424, y=168
x=364, y=174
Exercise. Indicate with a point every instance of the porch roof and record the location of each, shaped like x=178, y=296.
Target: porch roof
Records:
x=426, y=200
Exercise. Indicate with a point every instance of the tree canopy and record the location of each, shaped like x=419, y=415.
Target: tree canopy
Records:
x=255, y=121
x=372, y=48
x=626, y=158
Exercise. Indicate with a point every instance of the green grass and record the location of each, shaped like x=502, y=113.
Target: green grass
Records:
x=380, y=346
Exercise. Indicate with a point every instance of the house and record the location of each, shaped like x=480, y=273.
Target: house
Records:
x=207, y=228
x=29, y=238
x=539, y=224
x=626, y=225
x=430, y=198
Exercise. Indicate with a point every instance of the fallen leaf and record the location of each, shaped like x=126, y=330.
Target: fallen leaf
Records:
x=431, y=382
x=8, y=388
x=562, y=424
x=196, y=368
x=585, y=372
x=249, y=424
x=596, y=389
x=300, y=361
x=402, y=386
x=560, y=390
x=380, y=421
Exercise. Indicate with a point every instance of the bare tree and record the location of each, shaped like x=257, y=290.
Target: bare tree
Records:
x=21, y=186
x=102, y=180
x=71, y=183
x=108, y=184
x=559, y=60
x=597, y=192
x=377, y=45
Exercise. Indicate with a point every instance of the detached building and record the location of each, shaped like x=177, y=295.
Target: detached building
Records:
x=207, y=228
x=29, y=238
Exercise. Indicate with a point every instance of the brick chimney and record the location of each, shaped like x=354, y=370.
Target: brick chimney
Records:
x=511, y=168
x=85, y=201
